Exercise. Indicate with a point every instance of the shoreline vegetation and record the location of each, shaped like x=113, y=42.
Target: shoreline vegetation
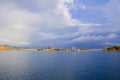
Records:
x=112, y=48
x=53, y=49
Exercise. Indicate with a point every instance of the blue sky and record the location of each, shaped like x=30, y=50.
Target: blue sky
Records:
x=62, y=23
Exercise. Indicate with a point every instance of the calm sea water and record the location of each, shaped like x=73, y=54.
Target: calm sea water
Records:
x=83, y=65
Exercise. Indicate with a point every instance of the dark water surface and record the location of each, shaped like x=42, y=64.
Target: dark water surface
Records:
x=83, y=65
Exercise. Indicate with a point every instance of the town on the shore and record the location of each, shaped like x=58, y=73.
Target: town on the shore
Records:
x=53, y=49
x=46, y=49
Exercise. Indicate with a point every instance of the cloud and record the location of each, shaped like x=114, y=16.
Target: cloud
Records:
x=94, y=38
x=112, y=36
x=21, y=23
x=13, y=42
x=15, y=24
x=112, y=12
x=25, y=23
x=77, y=5
x=112, y=9
x=110, y=43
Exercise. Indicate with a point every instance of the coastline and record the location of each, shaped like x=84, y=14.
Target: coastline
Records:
x=53, y=49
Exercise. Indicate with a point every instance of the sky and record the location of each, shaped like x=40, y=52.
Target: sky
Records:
x=62, y=23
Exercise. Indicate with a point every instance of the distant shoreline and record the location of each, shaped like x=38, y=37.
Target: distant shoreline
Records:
x=35, y=50
x=53, y=49
x=112, y=48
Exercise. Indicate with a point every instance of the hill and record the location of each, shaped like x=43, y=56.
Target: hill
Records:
x=5, y=47
x=112, y=48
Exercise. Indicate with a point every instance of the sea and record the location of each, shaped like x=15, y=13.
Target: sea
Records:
x=82, y=65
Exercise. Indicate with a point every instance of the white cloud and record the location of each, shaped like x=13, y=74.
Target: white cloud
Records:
x=59, y=16
x=15, y=24
x=112, y=36
x=110, y=43
x=13, y=42
x=87, y=38
x=20, y=25
x=94, y=38
x=77, y=5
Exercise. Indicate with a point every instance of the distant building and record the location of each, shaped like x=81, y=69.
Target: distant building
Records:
x=73, y=49
x=51, y=48
x=45, y=50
